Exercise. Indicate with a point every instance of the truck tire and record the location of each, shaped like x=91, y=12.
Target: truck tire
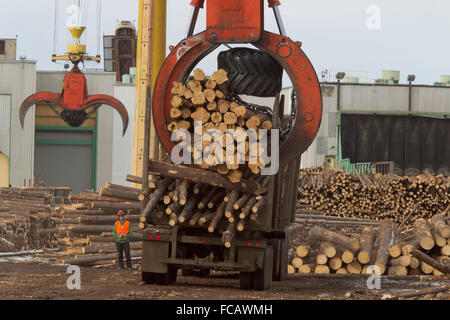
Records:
x=263, y=277
x=169, y=277
x=251, y=72
x=246, y=280
x=279, y=259
x=276, y=245
x=149, y=277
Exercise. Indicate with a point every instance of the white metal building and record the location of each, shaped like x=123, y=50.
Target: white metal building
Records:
x=17, y=81
x=47, y=148
x=375, y=100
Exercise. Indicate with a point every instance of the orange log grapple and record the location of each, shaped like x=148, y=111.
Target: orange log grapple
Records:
x=234, y=22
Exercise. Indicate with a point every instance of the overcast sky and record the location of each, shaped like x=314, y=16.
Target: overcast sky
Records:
x=411, y=36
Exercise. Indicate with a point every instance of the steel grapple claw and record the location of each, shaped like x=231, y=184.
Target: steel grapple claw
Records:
x=48, y=97
x=74, y=100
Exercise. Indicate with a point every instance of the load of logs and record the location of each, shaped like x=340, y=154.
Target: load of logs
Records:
x=384, y=248
x=24, y=212
x=205, y=99
x=373, y=196
x=189, y=196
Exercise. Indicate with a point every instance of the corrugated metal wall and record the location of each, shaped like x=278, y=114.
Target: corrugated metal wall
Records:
x=98, y=83
x=414, y=143
x=18, y=78
x=123, y=145
x=395, y=98
x=5, y=112
x=380, y=98
x=430, y=99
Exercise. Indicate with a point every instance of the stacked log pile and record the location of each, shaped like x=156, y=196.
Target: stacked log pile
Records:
x=373, y=196
x=423, y=248
x=82, y=230
x=24, y=212
x=85, y=226
x=206, y=100
x=202, y=198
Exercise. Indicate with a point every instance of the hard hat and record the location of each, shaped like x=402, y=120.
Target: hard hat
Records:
x=120, y=212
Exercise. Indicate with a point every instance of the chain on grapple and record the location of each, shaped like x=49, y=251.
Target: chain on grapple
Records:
x=74, y=118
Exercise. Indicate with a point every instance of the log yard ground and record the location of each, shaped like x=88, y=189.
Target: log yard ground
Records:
x=43, y=281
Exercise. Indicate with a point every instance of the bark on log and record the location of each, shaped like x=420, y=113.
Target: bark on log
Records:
x=241, y=201
x=328, y=250
x=323, y=234
x=423, y=234
x=439, y=225
x=187, y=210
x=119, y=193
x=115, y=205
x=195, y=217
x=232, y=198
x=429, y=260
x=204, y=176
x=228, y=235
x=109, y=220
x=154, y=198
x=81, y=260
x=384, y=241
x=247, y=208
x=303, y=251
x=366, y=241
x=217, y=217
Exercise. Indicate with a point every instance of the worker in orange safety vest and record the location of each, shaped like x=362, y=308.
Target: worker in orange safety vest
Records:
x=122, y=235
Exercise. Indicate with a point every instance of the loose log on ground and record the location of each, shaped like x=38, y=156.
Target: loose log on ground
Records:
x=328, y=249
x=297, y=262
x=429, y=260
x=366, y=242
x=440, y=226
x=119, y=193
x=354, y=267
x=306, y=268
x=321, y=269
x=397, y=270
x=384, y=240
x=335, y=263
x=303, y=251
x=321, y=259
x=81, y=260
x=403, y=261
x=323, y=234
x=423, y=234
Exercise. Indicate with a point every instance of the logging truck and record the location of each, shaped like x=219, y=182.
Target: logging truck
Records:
x=249, y=237
x=258, y=252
